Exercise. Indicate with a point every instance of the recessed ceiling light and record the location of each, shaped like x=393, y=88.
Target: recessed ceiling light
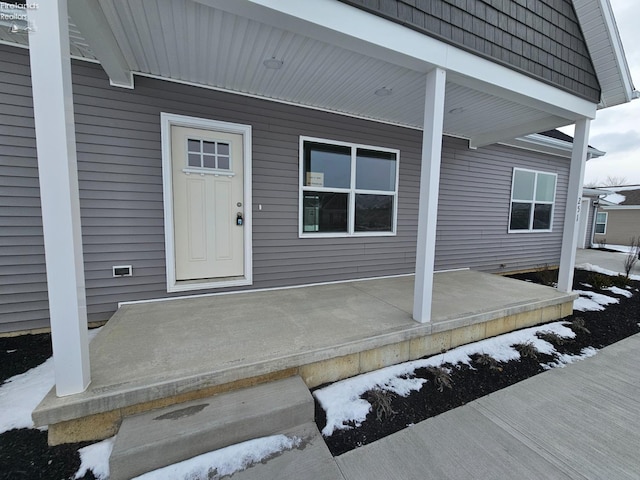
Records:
x=383, y=92
x=273, y=63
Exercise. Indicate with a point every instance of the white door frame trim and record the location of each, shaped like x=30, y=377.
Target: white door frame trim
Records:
x=168, y=120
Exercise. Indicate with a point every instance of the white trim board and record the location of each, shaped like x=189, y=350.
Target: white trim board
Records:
x=167, y=120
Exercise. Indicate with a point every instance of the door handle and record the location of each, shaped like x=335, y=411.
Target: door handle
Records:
x=239, y=219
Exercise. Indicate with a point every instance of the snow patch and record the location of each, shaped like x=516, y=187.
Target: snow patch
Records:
x=566, y=359
x=95, y=457
x=619, y=248
x=226, y=461
x=592, y=301
x=344, y=407
x=595, y=268
x=614, y=198
x=21, y=394
x=620, y=291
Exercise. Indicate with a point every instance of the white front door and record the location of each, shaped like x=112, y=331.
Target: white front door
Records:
x=208, y=210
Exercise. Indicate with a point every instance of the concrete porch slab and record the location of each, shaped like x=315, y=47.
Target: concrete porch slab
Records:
x=154, y=354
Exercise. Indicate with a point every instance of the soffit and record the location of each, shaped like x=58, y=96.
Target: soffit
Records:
x=191, y=42
x=195, y=43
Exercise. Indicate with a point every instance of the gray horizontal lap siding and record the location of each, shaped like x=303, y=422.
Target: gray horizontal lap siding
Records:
x=23, y=284
x=473, y=210
x=120, y=174
x=539, y=37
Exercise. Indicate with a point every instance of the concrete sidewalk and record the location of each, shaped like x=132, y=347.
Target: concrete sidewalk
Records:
x=613, y=261
x=578, y=422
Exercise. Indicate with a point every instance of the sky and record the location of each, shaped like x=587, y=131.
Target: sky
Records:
x=616, y=130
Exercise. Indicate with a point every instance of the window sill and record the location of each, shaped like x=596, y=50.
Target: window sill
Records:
x=529, y=231
x=346, y=235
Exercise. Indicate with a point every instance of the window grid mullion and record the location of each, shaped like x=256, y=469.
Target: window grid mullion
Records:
x=352, y=195
x=533, y=201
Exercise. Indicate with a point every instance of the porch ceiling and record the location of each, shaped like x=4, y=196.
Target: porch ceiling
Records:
x=223, y=44
x=173, y=39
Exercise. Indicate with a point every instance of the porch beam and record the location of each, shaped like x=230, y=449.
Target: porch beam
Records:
x=572, y=209
x=535, y=126
x=90, y=19
x=429, y=187
x=58, y=174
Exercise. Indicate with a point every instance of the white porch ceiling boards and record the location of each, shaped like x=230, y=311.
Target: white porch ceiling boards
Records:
x=192, y=42
x=186, y=41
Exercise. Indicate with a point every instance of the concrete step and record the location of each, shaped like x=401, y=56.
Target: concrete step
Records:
x=162, y=437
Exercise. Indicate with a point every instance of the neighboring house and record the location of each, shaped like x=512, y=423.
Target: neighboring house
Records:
x=195, y=147
x=618, y=216
x=590, y=201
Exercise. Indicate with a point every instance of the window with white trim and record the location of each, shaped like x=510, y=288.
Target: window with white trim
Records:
x=347, y=189
x=533, y=196
x=601, y=222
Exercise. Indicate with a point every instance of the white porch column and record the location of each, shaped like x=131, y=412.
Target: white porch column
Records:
x=57, y=168
x=429, y=186
x=574, y=200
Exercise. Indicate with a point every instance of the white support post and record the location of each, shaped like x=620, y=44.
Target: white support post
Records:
x=429, y=186
x=574, y=200
x=57, y=168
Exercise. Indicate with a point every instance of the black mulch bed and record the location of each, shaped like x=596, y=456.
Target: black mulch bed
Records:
x=593, y=329
x=24, y=453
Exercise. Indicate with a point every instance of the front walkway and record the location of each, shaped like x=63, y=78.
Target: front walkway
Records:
x=577, y=422
x=613, y=261
x=153, y=354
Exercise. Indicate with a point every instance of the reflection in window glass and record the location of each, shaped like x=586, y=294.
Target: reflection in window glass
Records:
x=327, y=165
x=223, y=149
x=542, y=216
x=223, y=163
x=348, y=189
x=545, y=187
x=193, y=145
x=374, y=213
x=209, y=147
x=520, y=215
x=209, y=161
x=194, y=160
x=375, y=170
x=208, y=154
x=325, y=212
x=532, y=199
x=523, y=184
x=601, y=222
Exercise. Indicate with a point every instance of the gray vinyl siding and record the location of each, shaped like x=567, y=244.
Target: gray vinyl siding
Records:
x=541, y=38
x=473, y=213
x=23, y=284
x=120, y=175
